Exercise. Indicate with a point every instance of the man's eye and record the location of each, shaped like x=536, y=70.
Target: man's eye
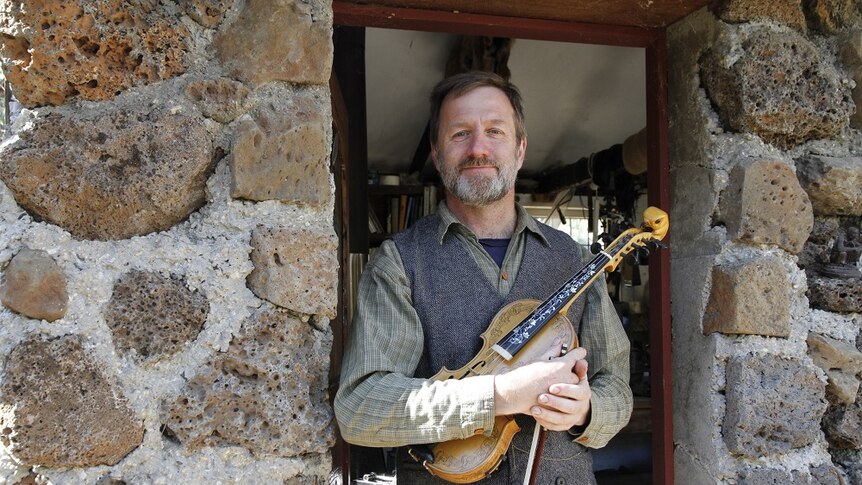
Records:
x=461, y=134
x=495, y=131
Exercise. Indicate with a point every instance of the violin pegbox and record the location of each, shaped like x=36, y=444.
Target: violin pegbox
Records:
x=657, y=221
x=652, y=231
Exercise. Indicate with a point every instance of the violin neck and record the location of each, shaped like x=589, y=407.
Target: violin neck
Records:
x=516, y=339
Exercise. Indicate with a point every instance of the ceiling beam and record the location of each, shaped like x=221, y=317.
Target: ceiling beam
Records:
x=633, y=13
x=349, y=13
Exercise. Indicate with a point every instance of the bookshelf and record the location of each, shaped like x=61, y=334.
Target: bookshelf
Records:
x=393, y=208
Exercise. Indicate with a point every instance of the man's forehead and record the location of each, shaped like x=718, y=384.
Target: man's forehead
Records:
x=488, y=101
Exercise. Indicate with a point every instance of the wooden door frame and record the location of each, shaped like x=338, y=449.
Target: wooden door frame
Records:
x=653, y=41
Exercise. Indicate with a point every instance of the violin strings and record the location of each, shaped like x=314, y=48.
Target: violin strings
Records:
x=496, y=359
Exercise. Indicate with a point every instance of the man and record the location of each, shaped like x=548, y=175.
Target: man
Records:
x=427, y=295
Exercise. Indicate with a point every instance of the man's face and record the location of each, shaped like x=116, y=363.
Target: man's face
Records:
x=477, y=152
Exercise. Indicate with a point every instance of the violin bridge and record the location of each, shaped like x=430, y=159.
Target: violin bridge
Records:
x=501, y=351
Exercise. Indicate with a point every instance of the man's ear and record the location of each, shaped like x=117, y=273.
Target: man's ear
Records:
x=434, y=156
x=522, y=151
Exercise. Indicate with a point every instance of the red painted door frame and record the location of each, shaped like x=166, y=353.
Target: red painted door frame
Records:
x=654, y=43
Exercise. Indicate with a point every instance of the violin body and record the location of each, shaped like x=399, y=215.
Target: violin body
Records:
x=471, y=459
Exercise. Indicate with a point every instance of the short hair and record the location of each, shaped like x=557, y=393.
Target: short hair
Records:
x=463, y=83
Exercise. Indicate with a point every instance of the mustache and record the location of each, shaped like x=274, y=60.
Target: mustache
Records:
x=477, y=162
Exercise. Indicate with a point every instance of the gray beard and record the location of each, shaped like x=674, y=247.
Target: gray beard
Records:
x=479, y=191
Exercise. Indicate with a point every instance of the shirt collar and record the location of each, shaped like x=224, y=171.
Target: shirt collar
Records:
x=448, y=222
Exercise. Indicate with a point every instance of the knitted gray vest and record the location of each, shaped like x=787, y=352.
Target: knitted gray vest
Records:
x=456, y=302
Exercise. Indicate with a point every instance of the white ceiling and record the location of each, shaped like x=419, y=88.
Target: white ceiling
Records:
x=579, y=99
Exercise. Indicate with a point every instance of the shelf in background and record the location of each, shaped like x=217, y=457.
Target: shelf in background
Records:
x=395, y=189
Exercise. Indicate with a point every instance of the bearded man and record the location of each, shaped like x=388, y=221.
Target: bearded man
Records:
x=428, y=294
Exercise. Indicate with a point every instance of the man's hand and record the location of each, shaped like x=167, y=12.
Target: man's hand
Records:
x=565, y=405
x=551, y=390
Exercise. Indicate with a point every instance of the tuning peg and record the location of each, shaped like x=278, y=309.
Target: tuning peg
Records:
x=595, y=248
x=658, y=244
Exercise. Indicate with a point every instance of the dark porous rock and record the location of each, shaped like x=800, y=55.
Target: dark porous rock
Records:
x=750, y=297
x=53, y=50
x=219, y=99
x=776, y=85
x=818, y=247
x=764, y=204
x=295, y=269
x=842, y=424
x=110, y=175
x=850, y=51
x=826, y=475
x=267, y=393
x=281, y=152
x=297, y=48
x=787, y=12
x=853, y=469
x=35, y=286
x=831, y=16
x=154, y=315
x=774, y=405
x=841, y=295
x=850, y=48
x=58, y=409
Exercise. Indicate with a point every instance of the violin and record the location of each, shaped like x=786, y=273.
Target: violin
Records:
x=519, y=334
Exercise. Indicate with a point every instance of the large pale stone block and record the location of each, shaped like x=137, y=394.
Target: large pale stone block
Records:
x=266, y=393
x=749, y=297
x=35, y=286
x=787, y=12
x=821, y=475
x=281, y=152
x=764, y=204
x=834, y=184
x=694, y=198
x=774, y=405
x=279, y=40
x=295, y=269
x=775, y=84
x=58, y=409
x=92, y=49
x=110, y=175
x=151, y=316
x=841, y=361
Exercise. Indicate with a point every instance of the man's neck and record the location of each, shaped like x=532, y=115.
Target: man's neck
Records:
x=493, y=221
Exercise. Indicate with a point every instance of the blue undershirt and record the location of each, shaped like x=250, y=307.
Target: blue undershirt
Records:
x=496, y=248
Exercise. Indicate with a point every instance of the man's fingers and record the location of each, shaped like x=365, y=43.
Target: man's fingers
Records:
x=560, y=396
x=551, y=420
x=580, y=369
x=578, y=353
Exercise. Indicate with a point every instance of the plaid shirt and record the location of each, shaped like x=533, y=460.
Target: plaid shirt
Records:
x=380, y=404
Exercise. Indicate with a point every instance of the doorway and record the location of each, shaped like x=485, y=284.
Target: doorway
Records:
x=358, y=27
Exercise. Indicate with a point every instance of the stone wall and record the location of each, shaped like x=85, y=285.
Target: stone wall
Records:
x=766, y=181
x=165, y=207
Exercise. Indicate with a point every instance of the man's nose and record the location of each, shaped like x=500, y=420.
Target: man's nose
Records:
x=480, y=146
